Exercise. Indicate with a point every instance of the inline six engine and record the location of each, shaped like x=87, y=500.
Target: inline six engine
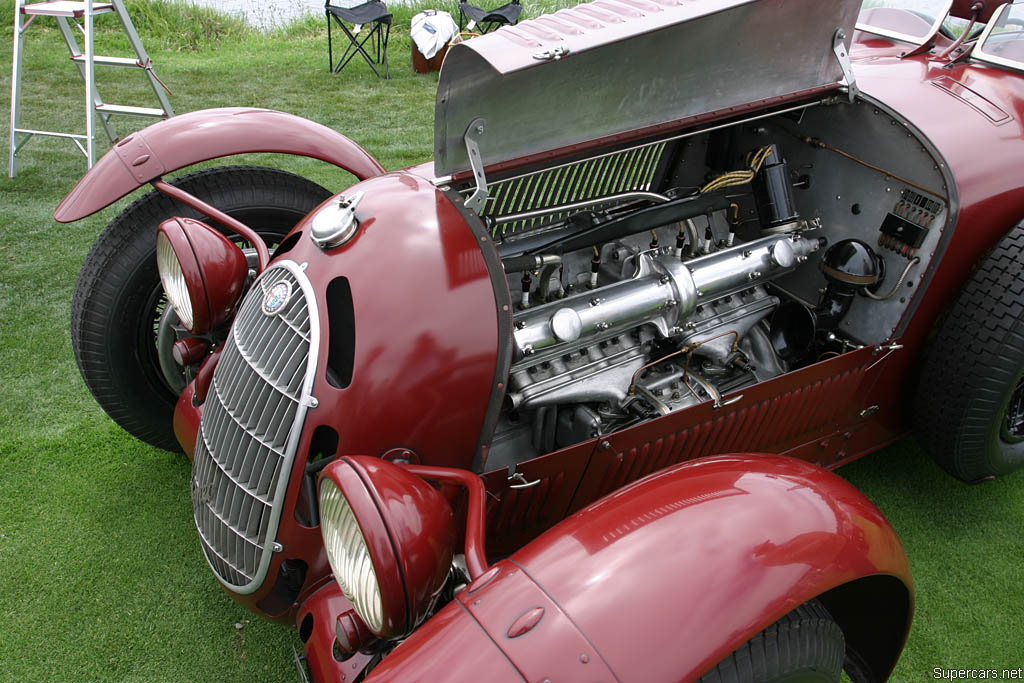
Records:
x=701, y=266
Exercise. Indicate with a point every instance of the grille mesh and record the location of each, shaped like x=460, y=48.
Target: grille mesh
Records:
x=245, y=437
x=629, y=170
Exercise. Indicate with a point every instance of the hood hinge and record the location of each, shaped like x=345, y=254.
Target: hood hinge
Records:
x=475, y=201
x=843, y=55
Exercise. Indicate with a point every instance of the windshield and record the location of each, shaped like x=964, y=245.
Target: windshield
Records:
x=912, y=21
x=1003, y=40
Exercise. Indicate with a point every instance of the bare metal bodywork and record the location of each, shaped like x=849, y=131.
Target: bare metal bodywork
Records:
x=615, y=66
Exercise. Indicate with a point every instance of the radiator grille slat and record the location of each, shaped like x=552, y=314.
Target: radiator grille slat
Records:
x=249, y=430
x=628, y=170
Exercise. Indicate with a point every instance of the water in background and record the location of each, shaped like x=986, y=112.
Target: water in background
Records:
x=266, y=13
x=269, y=13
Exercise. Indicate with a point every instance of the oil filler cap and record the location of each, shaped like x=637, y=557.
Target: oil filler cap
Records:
x=336, y=223
x=782, y=254
x=566, y=325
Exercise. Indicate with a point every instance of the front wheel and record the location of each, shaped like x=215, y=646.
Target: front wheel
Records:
x=806, y=645
x=969, y=412
x=119, y=318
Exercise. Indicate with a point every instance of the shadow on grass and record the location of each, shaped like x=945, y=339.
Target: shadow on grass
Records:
x=965, y=547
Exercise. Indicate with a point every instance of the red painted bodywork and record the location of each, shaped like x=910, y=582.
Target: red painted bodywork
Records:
x=426, y=325
x=186, y=420
x=695, y=559
x=690, y=563
x=316, y=623
x=426, y=329
x=459, y=652
x=201, y=385
x=203, y=135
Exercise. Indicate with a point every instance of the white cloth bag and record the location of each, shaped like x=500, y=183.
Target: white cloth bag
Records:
x=431, y=30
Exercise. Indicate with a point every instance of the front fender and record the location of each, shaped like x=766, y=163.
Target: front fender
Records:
x=188, y=139
x=664, y=578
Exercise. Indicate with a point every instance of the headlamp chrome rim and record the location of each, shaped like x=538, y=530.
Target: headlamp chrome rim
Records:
x=172, y=277
x=408, y=528
x=349, y=556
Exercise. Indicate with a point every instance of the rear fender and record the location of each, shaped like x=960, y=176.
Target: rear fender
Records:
x=667, y=576
x=188, y=139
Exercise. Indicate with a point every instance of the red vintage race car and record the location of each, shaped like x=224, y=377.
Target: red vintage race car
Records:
x=560, y=405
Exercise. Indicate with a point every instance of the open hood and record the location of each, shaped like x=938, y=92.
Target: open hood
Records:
x=611, y=67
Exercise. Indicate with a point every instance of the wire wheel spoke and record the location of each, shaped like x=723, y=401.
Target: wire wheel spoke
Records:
x=1013, y=424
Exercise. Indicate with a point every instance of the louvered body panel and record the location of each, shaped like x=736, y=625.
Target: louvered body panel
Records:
x=770, y=425
x=517, y=515
x=628, y=170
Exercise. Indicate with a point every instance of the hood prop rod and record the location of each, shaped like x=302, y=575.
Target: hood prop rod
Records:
x=475, y=202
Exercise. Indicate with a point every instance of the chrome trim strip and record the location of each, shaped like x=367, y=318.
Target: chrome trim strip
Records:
x=267, y=544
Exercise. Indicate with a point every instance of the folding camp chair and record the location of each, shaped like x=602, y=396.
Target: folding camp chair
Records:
x=488, y=20
x=373, y=14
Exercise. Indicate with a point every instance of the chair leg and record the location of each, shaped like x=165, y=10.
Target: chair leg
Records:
x=384, y=54
x=357, y=47
x=330, y=53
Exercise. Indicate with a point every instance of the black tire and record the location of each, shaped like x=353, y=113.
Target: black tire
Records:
x=805, y=645
x=969, y=410
x=118, y=299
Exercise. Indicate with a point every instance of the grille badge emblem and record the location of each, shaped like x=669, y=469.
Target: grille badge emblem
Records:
x=276, y=297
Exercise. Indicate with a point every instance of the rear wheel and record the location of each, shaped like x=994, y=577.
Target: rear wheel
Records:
x=120, y=329
x=806, y=645
x=969, y=411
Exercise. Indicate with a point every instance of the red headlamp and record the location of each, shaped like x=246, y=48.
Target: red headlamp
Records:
x=389, y=537
x=202, y=271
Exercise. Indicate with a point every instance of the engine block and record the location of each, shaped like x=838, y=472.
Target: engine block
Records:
x=663, y=292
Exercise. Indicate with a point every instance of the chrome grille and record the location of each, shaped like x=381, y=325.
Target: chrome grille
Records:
x=252, y=420
x=628, y=170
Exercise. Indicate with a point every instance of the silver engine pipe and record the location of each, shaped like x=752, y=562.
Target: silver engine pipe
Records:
x=663, y=291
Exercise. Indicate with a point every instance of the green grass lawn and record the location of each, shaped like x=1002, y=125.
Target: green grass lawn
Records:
x=101, y=575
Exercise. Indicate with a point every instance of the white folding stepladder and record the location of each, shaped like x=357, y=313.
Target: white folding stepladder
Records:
x=67, y=13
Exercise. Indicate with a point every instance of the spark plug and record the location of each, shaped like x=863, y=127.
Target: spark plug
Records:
x=680, y=242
